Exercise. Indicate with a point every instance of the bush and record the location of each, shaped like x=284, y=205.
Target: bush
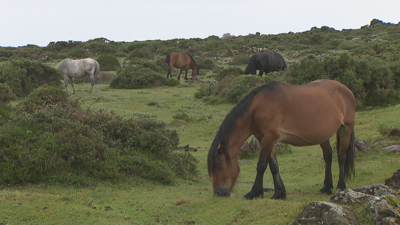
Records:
x=6, y=94
x=370, y=79
x=23, y=76
x=108, y=63
x=207, y=63
x=242, y=85
x=236, y=71
x=204, y=91
x=132, y=77
x=45, y=96
x=66, y=144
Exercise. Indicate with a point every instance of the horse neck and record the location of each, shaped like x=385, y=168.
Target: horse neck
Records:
x=194, y=68
x=239, y=135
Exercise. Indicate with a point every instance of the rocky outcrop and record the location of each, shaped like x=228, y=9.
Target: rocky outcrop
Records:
x=374, y=197
x=325, y=213
x=394, y=181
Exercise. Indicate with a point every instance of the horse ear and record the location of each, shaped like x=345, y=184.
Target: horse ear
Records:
x=221, y=148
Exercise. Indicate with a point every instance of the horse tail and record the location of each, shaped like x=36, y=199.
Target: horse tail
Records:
x=167, y=59
x=349, y=169
x=251, y=67
x=96, y=70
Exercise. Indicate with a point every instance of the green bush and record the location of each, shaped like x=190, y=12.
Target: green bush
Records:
x=6, y=94
x=236, y=71
x=242, y=85
x=77, y=53
x=66, y=144
x=44, y=96
x=23, y=76
x=133, y=77
x=108, y=63
x=371, y=80
x=172, y=82
x=204, y=91
x=207, y=63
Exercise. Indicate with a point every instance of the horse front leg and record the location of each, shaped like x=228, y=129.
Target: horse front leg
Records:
x=186, y=73
x=327, y=153
x=180, y=72
x=257, y=189
x=261, y=73
x=66, y=83
x=72, y=84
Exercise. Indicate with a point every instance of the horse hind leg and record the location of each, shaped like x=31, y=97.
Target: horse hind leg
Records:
x=327, y=153
x=72, y=84
x=280, y=190
x=66, y=83
x=346, y=154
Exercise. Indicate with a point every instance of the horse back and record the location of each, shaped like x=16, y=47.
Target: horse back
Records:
x=304, y=115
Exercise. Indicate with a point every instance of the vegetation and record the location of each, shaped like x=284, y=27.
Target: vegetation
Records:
x=108, y=156
x=60, y=142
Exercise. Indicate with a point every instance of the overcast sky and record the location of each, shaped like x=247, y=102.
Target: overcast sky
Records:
x=39, y=22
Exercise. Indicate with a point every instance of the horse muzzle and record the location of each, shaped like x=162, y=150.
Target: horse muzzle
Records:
x=222, y=192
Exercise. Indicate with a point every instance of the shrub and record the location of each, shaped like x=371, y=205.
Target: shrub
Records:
x=45, y=96
x=66, y=144
x=6, y=94
x=242, y=85
x=207, y=64
x=132, y=77
x=370, y=79
x=236, y=71
x=77, y=53
x=23, y=76
x=172, y=82
x=204, y=91
x=108, y=63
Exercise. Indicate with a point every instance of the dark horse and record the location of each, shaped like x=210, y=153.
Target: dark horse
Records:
x=265, y=62
x=300, y=115
x=181, y=60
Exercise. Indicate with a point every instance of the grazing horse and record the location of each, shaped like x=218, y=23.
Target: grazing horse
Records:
x=79, y=68
x=181, y=60
x=265, y=62
x=300, y=115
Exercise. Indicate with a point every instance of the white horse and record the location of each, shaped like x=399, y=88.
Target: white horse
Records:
x=78, y=68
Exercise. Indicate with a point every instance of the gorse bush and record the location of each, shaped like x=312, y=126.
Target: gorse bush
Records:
x=108, y=63
x=236, y=71
x=6, y=95
x=371, y=80
x=133, y=77
x=63, y=143
x=45, y=96
x=23, y=76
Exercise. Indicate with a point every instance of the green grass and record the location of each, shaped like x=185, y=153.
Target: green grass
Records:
x=137, y=201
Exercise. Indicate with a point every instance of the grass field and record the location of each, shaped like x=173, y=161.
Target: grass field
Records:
x=137, y=201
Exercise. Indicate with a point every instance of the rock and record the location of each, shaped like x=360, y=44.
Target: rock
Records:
x=325, y=213
x=375, y=190
x=246, y=162
x=381, y=210
x=362, y=146
x=394, y=132
x=392, y=148
x=394, y=181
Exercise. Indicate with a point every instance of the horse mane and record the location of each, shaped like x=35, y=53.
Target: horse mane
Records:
x=229, y=125
x=251, y=67
x=193, y=61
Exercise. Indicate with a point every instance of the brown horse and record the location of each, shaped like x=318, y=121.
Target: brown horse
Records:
x=181, y=60
x=300, y=115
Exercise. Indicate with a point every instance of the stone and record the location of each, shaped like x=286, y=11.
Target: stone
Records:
x=321, y=212
x=362, y=146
